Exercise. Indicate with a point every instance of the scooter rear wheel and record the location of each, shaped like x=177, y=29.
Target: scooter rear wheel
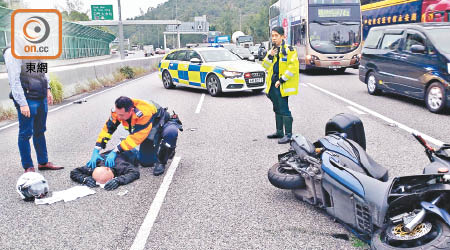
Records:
x=437, y=238
x=285, y=178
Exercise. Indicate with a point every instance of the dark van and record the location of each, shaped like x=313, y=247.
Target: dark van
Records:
x=411, y=60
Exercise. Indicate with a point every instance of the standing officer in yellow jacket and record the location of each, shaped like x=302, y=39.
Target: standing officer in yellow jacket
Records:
x=150, y=126
x=282, y=65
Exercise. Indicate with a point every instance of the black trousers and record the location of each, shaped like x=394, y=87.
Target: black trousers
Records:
x=280, y=104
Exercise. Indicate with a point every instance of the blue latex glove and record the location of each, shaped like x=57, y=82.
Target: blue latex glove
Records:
x=110, y=159
x=95, y=156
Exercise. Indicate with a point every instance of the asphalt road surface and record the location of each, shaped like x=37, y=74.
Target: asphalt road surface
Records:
x=219, y=196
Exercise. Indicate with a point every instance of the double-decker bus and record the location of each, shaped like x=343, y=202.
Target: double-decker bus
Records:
x=325, y=33
x=384, y=12
x=274, y=15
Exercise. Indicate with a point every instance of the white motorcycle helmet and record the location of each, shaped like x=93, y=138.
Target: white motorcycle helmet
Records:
x=32, y=185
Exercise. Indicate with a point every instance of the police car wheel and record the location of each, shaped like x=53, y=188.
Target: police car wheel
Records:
x=213, y=85
x=167, y=80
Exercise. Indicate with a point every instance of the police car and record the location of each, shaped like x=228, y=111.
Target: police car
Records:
x=215, y=69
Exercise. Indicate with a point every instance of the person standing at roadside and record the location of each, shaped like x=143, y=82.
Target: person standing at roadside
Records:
x=282, y=66
x=30, y=92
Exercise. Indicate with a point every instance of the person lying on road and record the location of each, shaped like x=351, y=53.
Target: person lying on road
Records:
x=125, y=170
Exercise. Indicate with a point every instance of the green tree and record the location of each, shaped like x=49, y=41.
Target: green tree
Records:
x=3, y=4
x=73, y=11
x=74, y=16
x=76, y=5
x=225, y=23
x=257, y=25
x=105, y=29
x=222, y=16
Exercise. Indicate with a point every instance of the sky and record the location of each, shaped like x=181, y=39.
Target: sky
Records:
x=130, y=8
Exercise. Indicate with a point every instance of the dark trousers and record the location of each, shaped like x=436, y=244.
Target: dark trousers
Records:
x=147, y=150
x=280, y=104
x=33, y=126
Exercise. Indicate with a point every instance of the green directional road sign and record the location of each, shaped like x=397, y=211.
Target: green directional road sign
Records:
x=102, y=12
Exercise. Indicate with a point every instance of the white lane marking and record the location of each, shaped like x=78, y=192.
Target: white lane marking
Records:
x=389, y=120
x=303, y=84
x=9, y=125
x=199, y=106
x=146, y=227
x=81, y=99
x=356, y=110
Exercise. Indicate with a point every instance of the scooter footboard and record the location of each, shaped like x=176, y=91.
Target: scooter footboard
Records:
x=354, y=198
x=346, y=206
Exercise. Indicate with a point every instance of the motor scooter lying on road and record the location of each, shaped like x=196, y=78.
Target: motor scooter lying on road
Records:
x=335, y=173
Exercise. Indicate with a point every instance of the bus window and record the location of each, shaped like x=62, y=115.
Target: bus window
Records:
x=322, y=27
x=274, y=10
x=297, y=38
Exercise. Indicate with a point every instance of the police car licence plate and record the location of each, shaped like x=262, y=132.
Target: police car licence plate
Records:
x=255, y=80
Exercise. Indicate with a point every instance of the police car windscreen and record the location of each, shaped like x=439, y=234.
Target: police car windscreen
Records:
x=218, y=55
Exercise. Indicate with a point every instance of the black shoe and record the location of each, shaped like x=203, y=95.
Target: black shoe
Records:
x=276, y=135
x=159, y=169
x=285, y=139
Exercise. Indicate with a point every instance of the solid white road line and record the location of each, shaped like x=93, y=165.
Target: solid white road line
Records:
x=199, y=106
x=389, y=120
x=9, y=125
x=81, y=99
x=356, y=110
x=146, y=227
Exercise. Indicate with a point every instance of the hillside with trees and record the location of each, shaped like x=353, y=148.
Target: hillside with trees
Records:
x=223, y=15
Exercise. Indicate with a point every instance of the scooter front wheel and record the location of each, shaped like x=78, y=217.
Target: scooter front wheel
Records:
x=285, y=177
x=436, y=236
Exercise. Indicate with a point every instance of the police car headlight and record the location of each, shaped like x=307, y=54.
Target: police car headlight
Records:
x=231, y=74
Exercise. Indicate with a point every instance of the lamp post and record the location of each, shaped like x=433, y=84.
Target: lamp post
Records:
x=178, y=26
x=122, y=56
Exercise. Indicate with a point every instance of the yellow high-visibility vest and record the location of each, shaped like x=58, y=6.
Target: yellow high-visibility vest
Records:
x=288, y=71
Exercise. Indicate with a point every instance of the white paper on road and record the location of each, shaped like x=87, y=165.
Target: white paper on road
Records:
x=122, y=193
x=101, y=185
x=66, y=195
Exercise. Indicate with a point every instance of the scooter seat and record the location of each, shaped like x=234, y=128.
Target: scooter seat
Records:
x=372, y=168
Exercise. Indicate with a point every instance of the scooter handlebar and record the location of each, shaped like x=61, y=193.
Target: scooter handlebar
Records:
x=422, y=141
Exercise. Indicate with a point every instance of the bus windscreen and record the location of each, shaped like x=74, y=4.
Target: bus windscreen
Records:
x=334, y=29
